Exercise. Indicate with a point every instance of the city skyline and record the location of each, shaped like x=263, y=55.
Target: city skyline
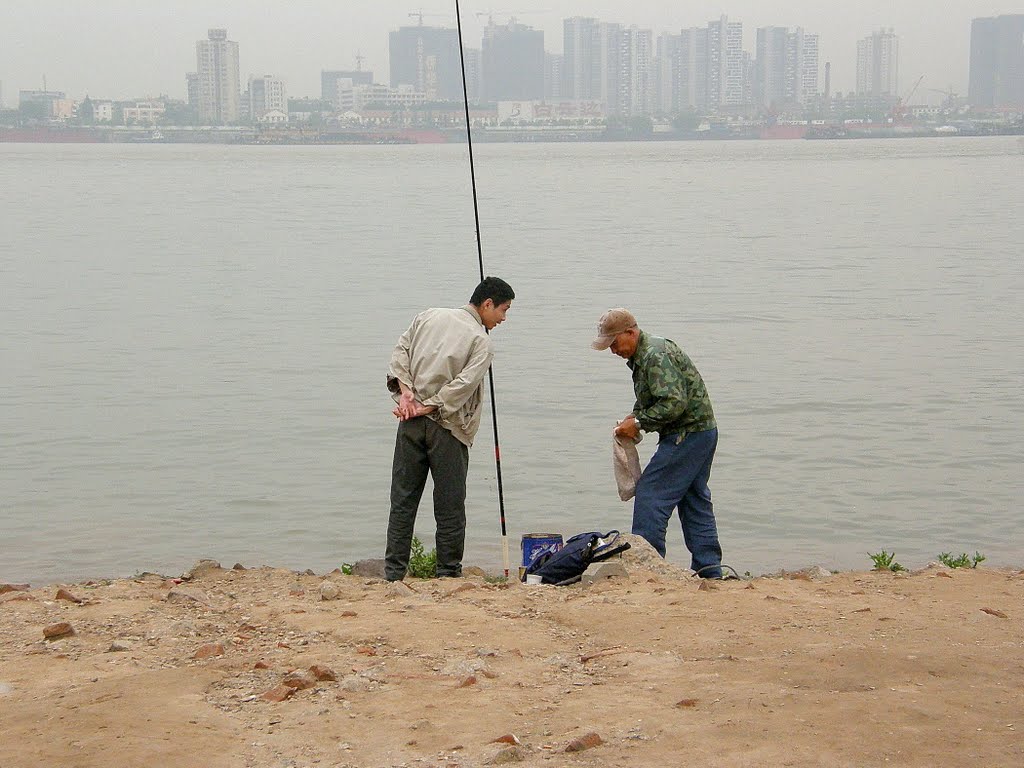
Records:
x=132, y=51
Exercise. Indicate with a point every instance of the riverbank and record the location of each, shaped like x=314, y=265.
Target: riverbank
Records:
x=310, y=136
x=266, y=667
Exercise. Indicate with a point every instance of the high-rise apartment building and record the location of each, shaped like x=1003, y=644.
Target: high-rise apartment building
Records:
x=329, y=79
x=773, y=70
x=727, y=82
x=997, y=62
x=703, y=68
x=427, y=58
x=682, y=71
x=192, y=88
x=512, y=60
x=748, y=81
x=809, y=94
x=666, y=73
x=693, y=69
x=635, y=95
x=581, y=65
x=474, y=73
x=218, y=78
x=609, y=66
x=266, y=94
x=785, y=69
x=554, y=76
x=878, y=58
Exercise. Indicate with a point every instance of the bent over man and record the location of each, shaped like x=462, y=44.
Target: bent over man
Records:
x=671, y=399
x=436, y=377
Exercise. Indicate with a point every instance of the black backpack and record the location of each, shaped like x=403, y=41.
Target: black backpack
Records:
x=567, y=565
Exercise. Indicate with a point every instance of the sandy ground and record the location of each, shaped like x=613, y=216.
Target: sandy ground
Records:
x=853, y=669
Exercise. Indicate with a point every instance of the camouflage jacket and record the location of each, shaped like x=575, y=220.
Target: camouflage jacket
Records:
x=670, y=394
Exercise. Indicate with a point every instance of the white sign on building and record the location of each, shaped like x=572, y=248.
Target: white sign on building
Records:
x=539, y=111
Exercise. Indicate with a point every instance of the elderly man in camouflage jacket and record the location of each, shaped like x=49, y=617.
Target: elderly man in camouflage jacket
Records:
x=671, y=399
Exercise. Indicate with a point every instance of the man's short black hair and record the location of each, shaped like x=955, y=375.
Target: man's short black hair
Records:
x=493, y=288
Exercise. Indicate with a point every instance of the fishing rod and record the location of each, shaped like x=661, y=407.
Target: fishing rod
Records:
x=480, y=258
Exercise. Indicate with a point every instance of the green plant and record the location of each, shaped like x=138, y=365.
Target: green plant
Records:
x=346, y=568
x=421, y=564
x=886, y=561
x=496, y=579
x=947, y=559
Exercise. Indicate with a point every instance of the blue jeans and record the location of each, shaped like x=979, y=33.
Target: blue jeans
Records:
x=677, y=477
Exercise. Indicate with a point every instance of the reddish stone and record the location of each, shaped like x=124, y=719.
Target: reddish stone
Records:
x=366, y=650
x=278, y=693
x=508, y=738
x=63, y=594
x=5, y=588
x=299, y=680
x=686, y=703
x=209, y=651
x=589, y=741
x=348, y=614
x=11, y=597
x=323, y=674
x=469, y=681
x=261, y=665
x=55, y=631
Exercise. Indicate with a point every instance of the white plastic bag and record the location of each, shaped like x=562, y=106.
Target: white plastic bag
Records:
x=626, y=462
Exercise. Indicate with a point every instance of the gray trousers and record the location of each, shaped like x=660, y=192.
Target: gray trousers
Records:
x=423, y=446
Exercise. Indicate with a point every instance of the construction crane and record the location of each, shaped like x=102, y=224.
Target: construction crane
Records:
x=512, y=15
x=950, y=94
x=420, y=14
x=899, y=109
x=914, y=89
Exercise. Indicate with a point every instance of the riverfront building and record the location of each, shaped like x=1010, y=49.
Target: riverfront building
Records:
x=218, y=82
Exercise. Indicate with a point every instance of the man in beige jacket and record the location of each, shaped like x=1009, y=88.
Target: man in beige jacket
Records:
x=437, y=378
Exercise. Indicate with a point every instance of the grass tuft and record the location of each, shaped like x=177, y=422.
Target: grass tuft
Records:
x=422, y=565
x=886, y=561
x=963, y=561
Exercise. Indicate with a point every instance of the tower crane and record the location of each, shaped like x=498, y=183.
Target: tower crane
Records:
x=420, y=14
x=512, y=15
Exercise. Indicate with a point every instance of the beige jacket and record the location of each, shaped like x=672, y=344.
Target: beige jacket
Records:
x=443, y=358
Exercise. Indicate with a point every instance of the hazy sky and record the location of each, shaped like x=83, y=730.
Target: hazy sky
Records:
x=134, y=48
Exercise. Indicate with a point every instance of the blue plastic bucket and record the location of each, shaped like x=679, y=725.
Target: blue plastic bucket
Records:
x=537, y=544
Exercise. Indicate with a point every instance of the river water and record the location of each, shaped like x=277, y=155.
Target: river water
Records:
x=193, y=342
